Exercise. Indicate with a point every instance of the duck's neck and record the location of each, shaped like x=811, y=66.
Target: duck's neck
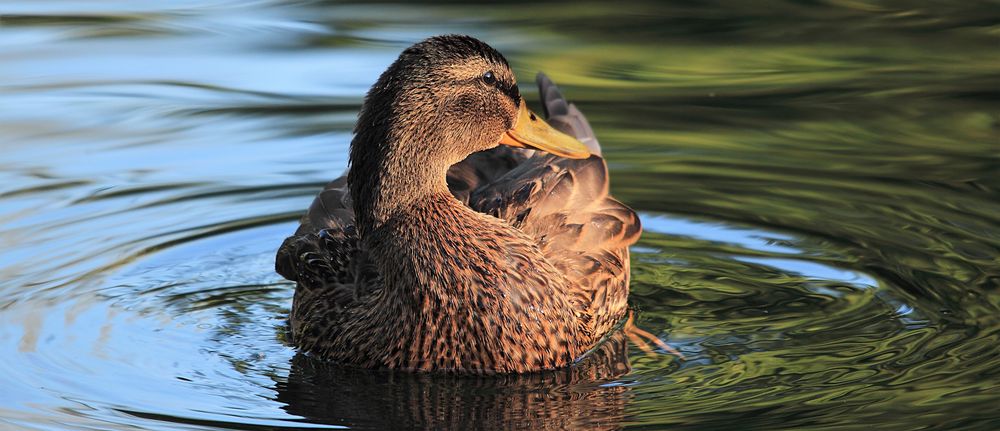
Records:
x=385, y=179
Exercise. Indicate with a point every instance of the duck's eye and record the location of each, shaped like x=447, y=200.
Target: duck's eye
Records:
x=489, y=78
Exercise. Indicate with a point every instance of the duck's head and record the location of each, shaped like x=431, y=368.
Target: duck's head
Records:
x=443, y=99
x=450, y=96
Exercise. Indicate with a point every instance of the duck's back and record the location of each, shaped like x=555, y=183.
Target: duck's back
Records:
x=562, y=203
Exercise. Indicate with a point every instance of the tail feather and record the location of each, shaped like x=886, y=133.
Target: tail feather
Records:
x=564, y=115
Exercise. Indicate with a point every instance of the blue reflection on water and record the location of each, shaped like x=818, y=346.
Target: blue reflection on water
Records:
x=753, y=239
x=813, y=270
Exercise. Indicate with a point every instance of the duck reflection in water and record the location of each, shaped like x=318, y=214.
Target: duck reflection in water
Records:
x=583, y=396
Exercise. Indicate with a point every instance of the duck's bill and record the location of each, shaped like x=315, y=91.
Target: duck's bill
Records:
x=530, y=131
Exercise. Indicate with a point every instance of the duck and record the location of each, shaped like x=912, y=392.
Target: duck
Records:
x=469, y=234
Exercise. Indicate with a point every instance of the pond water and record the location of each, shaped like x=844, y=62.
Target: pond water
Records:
x=819, y=183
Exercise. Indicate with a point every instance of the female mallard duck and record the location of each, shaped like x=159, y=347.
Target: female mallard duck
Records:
x=441, y=249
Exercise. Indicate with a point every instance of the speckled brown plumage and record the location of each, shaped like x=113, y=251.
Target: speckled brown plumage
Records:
x=425, y=257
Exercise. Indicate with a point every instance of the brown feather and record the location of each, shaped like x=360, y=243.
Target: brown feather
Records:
x=526, y=270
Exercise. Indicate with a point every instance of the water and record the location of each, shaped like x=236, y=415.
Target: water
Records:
x=819, y=183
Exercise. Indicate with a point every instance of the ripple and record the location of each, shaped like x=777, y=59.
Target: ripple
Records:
x=817, y=184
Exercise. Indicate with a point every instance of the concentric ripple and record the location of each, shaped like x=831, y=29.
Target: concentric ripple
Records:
x=818, y=184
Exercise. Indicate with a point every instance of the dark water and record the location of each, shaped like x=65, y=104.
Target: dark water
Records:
x=819, y=183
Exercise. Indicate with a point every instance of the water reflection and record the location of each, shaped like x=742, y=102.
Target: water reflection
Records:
x=586, y=396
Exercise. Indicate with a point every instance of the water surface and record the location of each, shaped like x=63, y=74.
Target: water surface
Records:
x=819, y=184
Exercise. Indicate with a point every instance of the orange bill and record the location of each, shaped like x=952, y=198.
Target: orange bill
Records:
x=530, y=131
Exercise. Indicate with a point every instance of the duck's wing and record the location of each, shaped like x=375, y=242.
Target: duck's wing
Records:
x=565, y=205
x=325, y=259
